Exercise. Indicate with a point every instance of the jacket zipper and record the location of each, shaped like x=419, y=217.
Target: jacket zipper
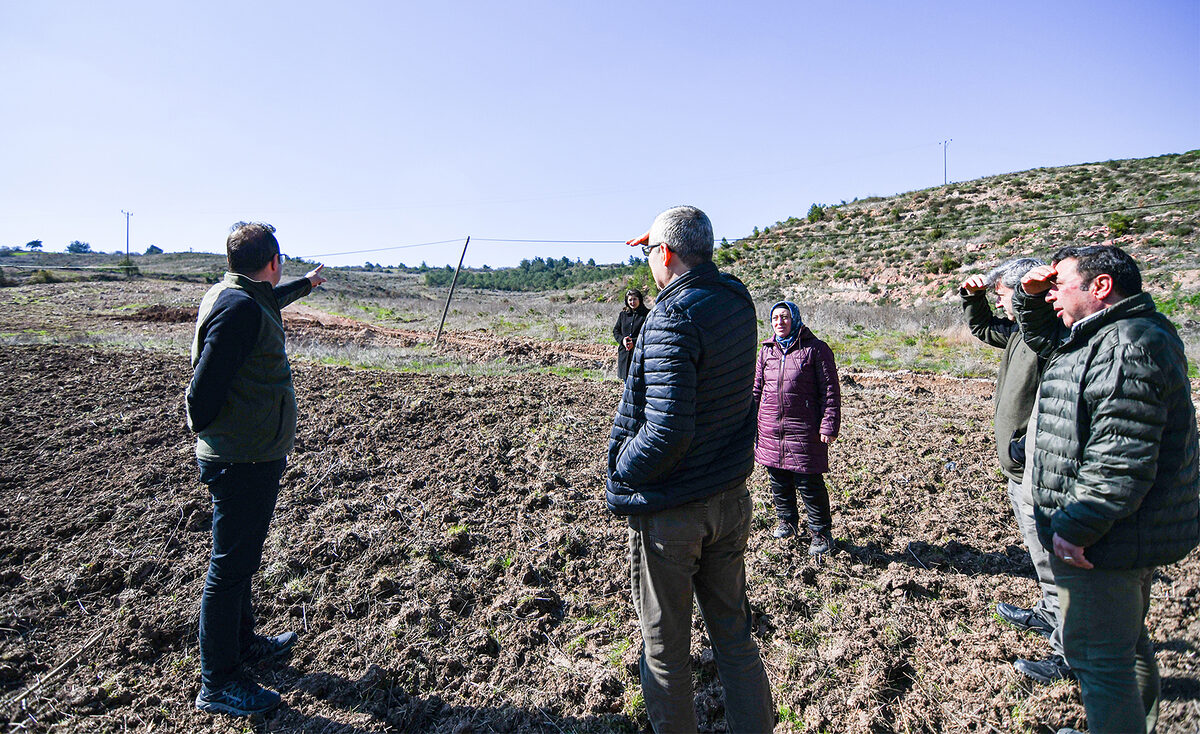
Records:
x=779, y=400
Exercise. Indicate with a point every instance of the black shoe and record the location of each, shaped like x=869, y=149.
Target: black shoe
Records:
x=268, y=648
x=1052, y=669
x=242, y=697
x=1024, y=619
x=821, y=543
x=784, y=530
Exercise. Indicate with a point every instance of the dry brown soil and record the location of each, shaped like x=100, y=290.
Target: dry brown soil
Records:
x=442, y=546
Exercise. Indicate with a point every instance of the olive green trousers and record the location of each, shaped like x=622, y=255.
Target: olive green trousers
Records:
x=1108, y=647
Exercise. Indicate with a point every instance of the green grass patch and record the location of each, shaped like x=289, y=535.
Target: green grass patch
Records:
x=574, y=373
x=925, y=351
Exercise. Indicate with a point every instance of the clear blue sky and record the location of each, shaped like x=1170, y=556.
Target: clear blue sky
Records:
x=364, y=125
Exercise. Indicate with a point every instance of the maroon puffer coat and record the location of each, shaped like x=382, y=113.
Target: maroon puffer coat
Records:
x=798, y=398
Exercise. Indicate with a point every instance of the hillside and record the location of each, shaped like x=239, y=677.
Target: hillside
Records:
x=917, y=246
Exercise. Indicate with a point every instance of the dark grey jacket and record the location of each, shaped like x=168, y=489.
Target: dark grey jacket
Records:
x=1115, y=468
x=1016, y=381
x=240, y=401
x=684, y=429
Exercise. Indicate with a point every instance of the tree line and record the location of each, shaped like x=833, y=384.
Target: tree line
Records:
x=538, y=274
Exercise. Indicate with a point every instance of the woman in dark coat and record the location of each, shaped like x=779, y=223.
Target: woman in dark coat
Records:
x=799, y=414
x=629, y=325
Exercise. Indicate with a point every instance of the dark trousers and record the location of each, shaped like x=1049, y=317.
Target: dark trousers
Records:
x=697, y=550
x=1108, y=646
x=243, y=497
x=784, y=486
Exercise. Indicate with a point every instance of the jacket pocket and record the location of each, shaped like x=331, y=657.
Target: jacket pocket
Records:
x=287, y=418
x=677, y=533
x=1016, y=449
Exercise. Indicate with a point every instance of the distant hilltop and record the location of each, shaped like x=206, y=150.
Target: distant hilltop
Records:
x=917, y=247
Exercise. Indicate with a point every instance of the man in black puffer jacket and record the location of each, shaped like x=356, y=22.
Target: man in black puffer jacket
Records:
x=680, y=450
x=1114, y=468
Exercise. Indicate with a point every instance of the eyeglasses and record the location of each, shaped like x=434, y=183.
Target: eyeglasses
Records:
x=282, y=259
x=647, y=249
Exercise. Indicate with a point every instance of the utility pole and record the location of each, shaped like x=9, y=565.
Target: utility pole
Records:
x=945, y=177
x=127, y=216
x=450, y=295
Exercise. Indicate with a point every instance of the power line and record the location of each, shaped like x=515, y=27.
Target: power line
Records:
x=378, y=249
x=554, y=242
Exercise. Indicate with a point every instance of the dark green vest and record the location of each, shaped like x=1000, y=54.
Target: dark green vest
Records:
x=258, y=420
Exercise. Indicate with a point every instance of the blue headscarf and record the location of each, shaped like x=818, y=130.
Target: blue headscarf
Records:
x=786, y=342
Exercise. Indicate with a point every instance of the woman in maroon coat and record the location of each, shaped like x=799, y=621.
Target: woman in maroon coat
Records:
x=799, y=413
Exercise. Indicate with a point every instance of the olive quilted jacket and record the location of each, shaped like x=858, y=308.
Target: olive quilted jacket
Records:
x=1115, y=462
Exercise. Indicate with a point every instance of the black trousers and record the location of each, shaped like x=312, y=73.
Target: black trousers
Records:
x=243, y=498
x=811, y=487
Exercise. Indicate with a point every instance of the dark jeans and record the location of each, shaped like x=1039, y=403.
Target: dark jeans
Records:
x=784, y=486
x=698, y=548
x=1108, y=646
x=243, y=498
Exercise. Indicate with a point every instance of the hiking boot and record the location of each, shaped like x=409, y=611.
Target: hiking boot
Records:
x=822, y=543
x=239, y=697
x=1052, y=669
x=1026, y=620
x=784, y=530
x=263, y=648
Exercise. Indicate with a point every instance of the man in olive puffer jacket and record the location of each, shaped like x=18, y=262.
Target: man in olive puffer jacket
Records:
x=242, y=407
x=1114, y=468
x=681, y=448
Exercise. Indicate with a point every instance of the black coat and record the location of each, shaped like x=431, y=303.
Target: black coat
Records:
x=629, y=323
x=685, y=427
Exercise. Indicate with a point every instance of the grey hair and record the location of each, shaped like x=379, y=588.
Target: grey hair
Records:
x=1009, y=274
x=687, y=231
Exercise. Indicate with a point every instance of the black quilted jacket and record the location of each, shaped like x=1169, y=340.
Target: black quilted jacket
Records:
x=1115, y=465
x=685, y=427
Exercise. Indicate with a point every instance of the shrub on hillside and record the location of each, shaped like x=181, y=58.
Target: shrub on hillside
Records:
x=1119, y=224
x=727, y=255
x=945, y=264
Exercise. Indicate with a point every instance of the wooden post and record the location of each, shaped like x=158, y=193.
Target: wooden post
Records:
x=450, y=295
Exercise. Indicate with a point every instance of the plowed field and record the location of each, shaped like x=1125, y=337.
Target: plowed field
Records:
x=442, y=546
